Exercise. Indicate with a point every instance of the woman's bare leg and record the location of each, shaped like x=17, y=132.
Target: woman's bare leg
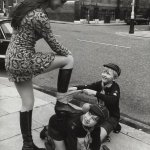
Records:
x=103, y=134
x=25, y=90
x=60, y=145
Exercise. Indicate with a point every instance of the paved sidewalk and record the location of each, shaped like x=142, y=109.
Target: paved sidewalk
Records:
x=10, y=137
x=138, y=34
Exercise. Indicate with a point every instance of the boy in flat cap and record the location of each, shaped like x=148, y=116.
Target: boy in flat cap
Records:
x=107, y=92
x=66, y=131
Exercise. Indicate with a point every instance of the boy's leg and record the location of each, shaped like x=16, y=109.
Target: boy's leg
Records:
x=103, y=134
x=59, y=145
x=106, y=129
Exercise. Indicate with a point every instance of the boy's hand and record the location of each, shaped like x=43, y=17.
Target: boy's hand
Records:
x=72, y=89
x=89, y=92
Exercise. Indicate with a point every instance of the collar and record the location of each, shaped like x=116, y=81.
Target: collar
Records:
x=107, y=85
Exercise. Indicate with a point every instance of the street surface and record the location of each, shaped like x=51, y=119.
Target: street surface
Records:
x=92, y=46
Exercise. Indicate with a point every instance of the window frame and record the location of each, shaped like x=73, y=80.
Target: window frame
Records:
x=4, y=37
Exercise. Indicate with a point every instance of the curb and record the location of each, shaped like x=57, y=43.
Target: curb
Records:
x=125, y=119
x=133, y=35
x=72, y=23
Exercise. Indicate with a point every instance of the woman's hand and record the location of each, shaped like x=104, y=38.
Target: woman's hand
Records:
x=72, y=89
x=89, y=92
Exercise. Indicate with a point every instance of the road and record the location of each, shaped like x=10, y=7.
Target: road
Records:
x=92, y=46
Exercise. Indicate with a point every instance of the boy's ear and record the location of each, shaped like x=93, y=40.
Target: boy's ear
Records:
x=115, y=75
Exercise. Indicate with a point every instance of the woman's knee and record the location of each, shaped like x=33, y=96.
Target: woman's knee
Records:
x=103, y=134
x=69, y=62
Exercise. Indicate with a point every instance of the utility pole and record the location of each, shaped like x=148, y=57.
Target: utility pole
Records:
x=118, y=10
x=131, y=31
x=88, y=16
x=89, y=11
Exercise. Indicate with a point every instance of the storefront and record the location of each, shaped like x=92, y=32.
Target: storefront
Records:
x=98, y=9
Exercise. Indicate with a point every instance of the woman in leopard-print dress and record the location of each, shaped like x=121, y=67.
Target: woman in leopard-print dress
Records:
x=30, y=23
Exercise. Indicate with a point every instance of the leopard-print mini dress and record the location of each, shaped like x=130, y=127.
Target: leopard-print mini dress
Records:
x=22, y=61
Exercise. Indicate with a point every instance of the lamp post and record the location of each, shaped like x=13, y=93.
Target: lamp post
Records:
x=118, y=9
x=131, y=31
x=88, y=13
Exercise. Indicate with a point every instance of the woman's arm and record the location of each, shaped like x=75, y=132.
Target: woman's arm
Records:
x=110, y=99
x=42, y=26
x=94, y=86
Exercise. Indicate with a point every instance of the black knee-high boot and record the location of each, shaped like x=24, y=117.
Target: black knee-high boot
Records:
x=62, y=105
x=25, y=125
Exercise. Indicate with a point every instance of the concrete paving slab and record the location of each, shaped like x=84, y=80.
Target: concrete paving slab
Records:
x=45, y=97
x=15, y=143
x=43, y=113
x=12, y=105
x=5, y=81
x=2, y=86
x=9, y=126
x=39, y=129
x=7, y=92
x=3, y=112
x=124, y=142
x=137, y=134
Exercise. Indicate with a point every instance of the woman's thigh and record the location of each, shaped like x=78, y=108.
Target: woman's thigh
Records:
x=61, y=62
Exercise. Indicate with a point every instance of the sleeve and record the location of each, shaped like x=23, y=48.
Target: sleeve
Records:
x=42, y=26
x=94, y=86
x=96, y=142
x=112, y=98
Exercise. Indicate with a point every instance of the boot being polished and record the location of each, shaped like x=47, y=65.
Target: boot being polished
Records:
x=62, y=105
x=25, y=125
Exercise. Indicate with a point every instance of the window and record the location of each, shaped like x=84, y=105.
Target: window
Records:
x=7, y=29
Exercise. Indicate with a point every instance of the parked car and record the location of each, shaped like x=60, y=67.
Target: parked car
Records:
x=139, y=20
x=5, y=35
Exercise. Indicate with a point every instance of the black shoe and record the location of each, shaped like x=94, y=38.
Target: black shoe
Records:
x=25, y=125
x=49, y=144
x=118, y=128
x=43, y=133
x=107, y=139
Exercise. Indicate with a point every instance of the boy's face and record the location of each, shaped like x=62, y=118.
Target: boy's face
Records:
x=107, y=75
x=89, y=120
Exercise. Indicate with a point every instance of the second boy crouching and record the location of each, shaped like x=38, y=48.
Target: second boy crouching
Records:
x=66, y=131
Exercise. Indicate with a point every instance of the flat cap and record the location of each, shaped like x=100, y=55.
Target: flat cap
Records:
x=113, y=67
